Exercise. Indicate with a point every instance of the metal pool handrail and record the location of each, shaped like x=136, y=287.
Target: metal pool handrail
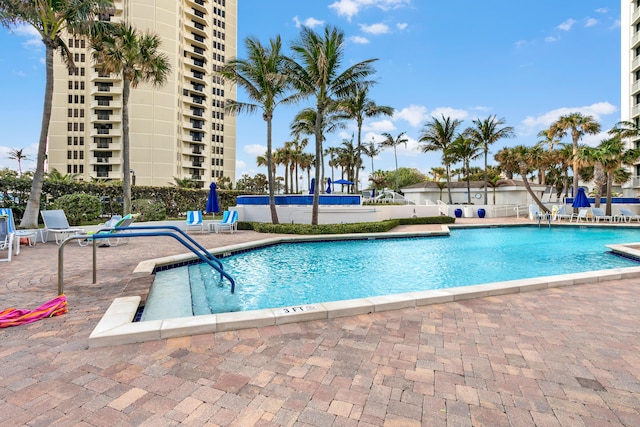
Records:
x=208, y=259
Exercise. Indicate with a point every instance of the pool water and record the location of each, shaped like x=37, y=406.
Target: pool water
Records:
x=305, y=273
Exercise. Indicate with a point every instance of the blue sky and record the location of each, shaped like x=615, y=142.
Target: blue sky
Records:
x=527, y=62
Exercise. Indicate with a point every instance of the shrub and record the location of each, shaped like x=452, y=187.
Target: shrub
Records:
x=362, y=227
x=79, y=207
x=149, y=210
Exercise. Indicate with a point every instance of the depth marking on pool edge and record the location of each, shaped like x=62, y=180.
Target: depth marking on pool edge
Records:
x=297, y=309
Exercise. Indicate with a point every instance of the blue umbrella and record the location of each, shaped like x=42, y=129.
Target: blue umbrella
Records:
x=373, y=192
x=581, y=200
x=343, y=182
x=212, y=200
x=328, y=185
x=312, y=188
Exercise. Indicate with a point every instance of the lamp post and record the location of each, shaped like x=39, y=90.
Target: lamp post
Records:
x=133, y=177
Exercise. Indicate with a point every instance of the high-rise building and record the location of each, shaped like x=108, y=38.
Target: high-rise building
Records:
x=178, y=130
x=630, y=79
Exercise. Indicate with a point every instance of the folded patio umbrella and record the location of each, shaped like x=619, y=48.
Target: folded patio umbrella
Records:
x=14, y=317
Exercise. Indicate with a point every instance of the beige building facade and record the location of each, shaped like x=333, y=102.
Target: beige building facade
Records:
x=630, y=79
x=179, y=130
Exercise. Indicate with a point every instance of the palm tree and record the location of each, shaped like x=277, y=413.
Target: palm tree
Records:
x=357, y=106
x=262, y=77
x=347, y=158
x=56, y=176
x=53, y=20
x=371, y=150
x=612, y=155
x=389, y=141
x=520, y=160
x=485, y=133
x=437, y=136
x=317, y=74
x=465, y=149
x=579, y=125
x=18, y=155
x=136, y=58
x=184, y=182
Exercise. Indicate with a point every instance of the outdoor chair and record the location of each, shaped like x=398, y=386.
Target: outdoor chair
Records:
x=562, y=214
x=598, y=214
x=7, y=232
x=627, y=215
x=113, y=237
x=229, y=222
x=194, y=220
x=583, y=214
x=55, y=221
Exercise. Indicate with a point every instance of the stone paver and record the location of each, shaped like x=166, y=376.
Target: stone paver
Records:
x=558, y=357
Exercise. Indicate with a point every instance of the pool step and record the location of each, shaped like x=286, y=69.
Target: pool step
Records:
x=169, y=296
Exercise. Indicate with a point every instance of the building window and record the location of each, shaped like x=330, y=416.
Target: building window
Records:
x=82, y=137
x=81, y=169
x=75, y=140
x=68, y=154
x=75, y=155
x=69, y=112
x=69, y=127
x=68, y=168
x=68, y=140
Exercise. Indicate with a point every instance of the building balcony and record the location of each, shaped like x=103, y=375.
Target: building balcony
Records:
x=114, y=132
x=103, y=160
x=198, y=137
x=193, y=26
x=635, y=16
x=105, y=89
x=114, y=104
x=635, y=87
x=104, y=118
x=635, y=111
x=102, y=147
x=196, y=40
x=635, y=40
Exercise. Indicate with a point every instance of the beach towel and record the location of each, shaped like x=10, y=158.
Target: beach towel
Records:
x=14, y=317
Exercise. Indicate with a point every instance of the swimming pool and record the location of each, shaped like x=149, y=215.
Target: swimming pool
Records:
x=306, y=273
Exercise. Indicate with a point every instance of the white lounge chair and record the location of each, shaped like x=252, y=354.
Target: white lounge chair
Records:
x=115, y=237
x=229, y=222
x=55, y=221
x=562, y=214
x=598, y=214
x=627, y=215
x=194, y=220
x=583, y=214
x=7, y=233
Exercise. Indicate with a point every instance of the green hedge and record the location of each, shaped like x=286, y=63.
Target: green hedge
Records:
x=14, y=193
x=361, y=227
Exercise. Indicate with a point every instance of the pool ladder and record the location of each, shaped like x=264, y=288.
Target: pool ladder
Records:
x=192, y=245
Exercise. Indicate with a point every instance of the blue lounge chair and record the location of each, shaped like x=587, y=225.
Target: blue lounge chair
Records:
x=7, y=232
x=115, y=237
x=194, y=219
x=598, y=214
x=229, y=222
x=627, y=215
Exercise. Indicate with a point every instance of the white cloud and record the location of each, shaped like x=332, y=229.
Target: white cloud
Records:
x=385, y=125
x=550, y=39
x=359, y=40
x=309, y=22
x=414, y=114
x=375, y=28
x=449, y=112
x=34, y=40
x=350, y=8
x=597, y=110
x=255, y=149
x=401, y=25
x=602, y=10
x=566, y=25
x=590, y=22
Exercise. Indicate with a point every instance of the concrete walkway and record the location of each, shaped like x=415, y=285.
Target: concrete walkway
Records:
x=566, y=356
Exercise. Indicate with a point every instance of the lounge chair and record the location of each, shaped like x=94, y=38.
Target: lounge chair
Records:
x=55, y=221
x=534, y=213
x=583, y=214
x=598, y=214
x=115, y=237
x=194, y=219
x=7, y=234
x=562, y=214
x=627, y=215
x=229, y=222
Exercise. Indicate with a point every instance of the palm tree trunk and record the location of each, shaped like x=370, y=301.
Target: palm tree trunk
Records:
x=271, y=177
x=318, y=159
x=30, y=217
x=358, y=158
x=609, y=189
x=486, y=182
x=523, y=173
x=396, y=157
x=449, y=183
x=126, y=162
x=466, y=167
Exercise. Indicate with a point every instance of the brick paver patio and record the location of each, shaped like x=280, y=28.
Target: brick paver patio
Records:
x=558, y=357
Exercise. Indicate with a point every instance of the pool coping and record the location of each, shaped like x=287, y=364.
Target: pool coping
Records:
x=117, y=327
